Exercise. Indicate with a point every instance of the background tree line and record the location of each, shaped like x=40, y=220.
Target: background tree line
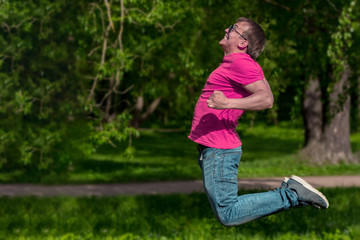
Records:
x=75, y=75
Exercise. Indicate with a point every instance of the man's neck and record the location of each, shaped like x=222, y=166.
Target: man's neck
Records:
x=234, y=51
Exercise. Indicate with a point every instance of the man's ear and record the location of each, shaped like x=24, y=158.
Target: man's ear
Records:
x=243, y=45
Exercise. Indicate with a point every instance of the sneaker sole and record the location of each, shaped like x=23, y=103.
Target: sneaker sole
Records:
x=309, y=187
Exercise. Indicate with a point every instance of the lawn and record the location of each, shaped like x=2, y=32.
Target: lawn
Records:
x=268, y=151
x=174, y=216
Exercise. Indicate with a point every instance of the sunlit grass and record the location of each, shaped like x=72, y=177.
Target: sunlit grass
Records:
x=174, y=216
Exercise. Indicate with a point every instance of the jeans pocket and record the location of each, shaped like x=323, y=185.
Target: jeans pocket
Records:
x=229, y=164
x=208, y=153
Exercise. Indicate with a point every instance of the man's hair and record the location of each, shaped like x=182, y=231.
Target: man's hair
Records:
x=255, y=36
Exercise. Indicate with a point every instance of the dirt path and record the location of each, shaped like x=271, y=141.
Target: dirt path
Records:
x=19, y=190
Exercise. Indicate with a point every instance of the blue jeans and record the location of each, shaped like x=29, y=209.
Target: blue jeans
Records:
x=220, y=168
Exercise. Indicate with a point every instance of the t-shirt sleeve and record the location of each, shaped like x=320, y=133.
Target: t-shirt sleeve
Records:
x=245, y=71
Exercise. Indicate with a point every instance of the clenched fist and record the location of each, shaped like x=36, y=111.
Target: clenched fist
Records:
x=217, y=100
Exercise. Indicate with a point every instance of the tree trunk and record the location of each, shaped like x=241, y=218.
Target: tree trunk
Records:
x=108, y=105
x=327, y=137
x=358, y=104
x=137, y=112
x=151, y=108
x=313, y=112
x=336, y=137
x=138, y=117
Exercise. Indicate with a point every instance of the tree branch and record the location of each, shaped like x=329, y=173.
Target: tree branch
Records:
x=5, y=25
x=108, y=10
x=121, y=30
x=113, y=90
x=101, y=13
x=151, y=108
x=93, y=50
x=102, y=62
x=333, y=5
x=278, y=5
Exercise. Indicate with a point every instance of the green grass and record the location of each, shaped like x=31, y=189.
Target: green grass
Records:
x=175, y=216
x=165, y=156
x=271, y=151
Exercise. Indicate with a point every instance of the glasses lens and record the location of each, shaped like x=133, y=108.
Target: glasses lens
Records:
x=230, y=28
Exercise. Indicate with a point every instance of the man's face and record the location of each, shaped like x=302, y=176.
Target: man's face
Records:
x=235, y=38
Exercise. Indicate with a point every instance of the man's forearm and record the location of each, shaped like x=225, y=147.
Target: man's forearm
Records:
x=261, y=98
x=255, y=102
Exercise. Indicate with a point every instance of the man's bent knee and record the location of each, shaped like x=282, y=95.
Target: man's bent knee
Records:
x=224, y=220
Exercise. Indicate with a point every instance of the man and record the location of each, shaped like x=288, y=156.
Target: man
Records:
x=237, y=85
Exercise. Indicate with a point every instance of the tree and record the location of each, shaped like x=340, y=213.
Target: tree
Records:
x=70, y=73
x=144, y=45
x=38, y=105
x=334, y=143
x=321, y=35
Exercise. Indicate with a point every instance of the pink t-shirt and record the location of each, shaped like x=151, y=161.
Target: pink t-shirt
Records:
x=217, y=128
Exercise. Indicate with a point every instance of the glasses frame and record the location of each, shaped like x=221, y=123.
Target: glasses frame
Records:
x=231, y=28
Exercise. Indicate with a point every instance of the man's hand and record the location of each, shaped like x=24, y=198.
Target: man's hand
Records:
x=217, y=100
x=260, y=98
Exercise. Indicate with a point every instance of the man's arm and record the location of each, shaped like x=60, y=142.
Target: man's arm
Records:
x=261, y=98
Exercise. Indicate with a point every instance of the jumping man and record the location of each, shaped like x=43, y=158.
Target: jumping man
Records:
x=236, y=86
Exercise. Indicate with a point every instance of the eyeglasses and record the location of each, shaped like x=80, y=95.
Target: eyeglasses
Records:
x=232, y=27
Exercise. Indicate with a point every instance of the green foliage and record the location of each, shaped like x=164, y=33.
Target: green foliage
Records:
x=70, y=72
x=173, y=216
x=38, y=103
x=341, y=39
x=67, y=69
x=111, y=131
x=313, y=39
